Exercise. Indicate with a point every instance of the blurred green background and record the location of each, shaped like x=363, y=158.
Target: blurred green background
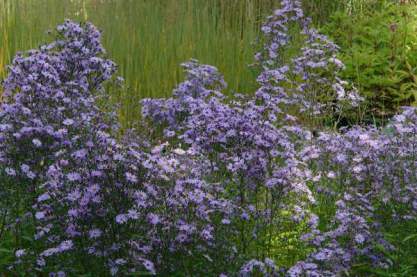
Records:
x=148, y=39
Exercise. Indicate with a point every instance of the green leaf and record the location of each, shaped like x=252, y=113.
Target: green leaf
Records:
x=410, y=237
x=5, y=250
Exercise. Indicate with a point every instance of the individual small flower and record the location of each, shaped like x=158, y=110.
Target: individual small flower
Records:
x=50, y=252
x=30, y=175
x=131, y=177
x=64, y=162
x=74, y=176
x=65, y=245
x=80, y=154
x=121, y=218
x=120, y=261
x=72, y=212
x=37, y=142
x=179, y=151
x=68, y=122
x=74, y=195
x=94, y=233
x=58, y=274
x=133, y=214
x=10, y=171
x=25, y=168
x=169, y=133
x=225, y=221
x=358, y=169
x=41, y=262
x=153, y=219
x=206, y=234
x=244, y=216
x=97, y=173
x=39, y=215
x=20, y=253
x=322, y=255
x=43, y=197
x=331, y=175
x=149, y=266
x=359, y=238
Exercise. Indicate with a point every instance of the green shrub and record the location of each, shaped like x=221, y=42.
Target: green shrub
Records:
x=379, y=49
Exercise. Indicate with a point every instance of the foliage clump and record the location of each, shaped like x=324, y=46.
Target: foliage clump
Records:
x=378, y=48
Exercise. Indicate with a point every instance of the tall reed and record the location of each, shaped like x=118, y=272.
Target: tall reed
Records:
x=148, y=39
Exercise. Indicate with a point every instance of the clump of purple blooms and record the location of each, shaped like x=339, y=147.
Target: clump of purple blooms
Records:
x=207, y=191
x=306, y=83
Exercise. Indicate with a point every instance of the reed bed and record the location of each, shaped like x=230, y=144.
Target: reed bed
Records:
x=148, y=38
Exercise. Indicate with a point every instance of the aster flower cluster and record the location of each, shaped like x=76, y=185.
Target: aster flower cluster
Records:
x=202, y=82
x=376, y=160
x=220, y=179
x=50, y=122
x=306, y=81
x=369, y=173
x=353, y=235
x=48, y=114
x=85, y=193
x=249, y=152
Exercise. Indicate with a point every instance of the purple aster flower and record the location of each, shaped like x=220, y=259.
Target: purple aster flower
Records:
x=37, y=142
x=20, y=253
x=359, y=238
x=131, y=177
x=65, y=245
x=120, y=261
x=225, y=221
x=121, y=218
x=39, y=215
x=153, y=219
x=80, y=154
x=149, y=266
x=68, y=122
x=94, y=233
x=43, y=197
x=74, y=176
x=10, y=171
x=50, y=252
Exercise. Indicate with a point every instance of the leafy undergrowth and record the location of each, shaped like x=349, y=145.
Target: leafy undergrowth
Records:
x=402, y=235
x=378, y=47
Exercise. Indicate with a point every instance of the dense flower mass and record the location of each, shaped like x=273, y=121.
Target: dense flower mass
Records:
x=222, y=186
x=307, y=81
x=88, y=193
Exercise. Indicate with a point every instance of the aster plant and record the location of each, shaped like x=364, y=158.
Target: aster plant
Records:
x=216, y=185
